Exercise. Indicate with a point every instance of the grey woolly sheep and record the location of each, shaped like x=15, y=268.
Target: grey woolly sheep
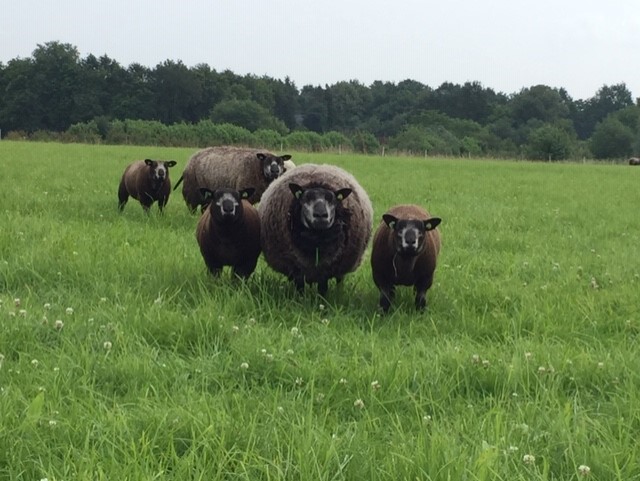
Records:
x=288, y=165
x=228, y=232
x=634, y=161
x=146, y=181
x=315, y=222
x=404, y=252
x=229, y=167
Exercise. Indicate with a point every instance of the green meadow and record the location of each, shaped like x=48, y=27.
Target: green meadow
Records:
x=121, y=358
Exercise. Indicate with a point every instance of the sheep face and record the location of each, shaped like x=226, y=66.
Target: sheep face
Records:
x=272, y=165
x=226, y=204
x=159, y=170
x=318, y=205
x=409, y=235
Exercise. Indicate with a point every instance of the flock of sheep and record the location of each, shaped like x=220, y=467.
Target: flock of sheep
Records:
x=312, y=224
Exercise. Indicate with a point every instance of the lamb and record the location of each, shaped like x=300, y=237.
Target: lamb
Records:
x=634, y=161
x=231, y=167
x=404, y=251
x=146, y=181
x=228, y=231
x=316, y=222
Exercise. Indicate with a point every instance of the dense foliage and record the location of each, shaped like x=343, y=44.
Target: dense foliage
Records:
x=56, y=91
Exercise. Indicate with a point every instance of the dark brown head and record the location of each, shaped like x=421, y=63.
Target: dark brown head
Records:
x=409, y=234
x=159, y=169
x=272, y=165
x=318, y=205
x=225, y=204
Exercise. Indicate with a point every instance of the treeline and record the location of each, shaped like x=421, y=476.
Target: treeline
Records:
x=56, y=94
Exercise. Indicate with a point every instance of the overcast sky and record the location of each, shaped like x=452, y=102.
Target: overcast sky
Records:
x=506, y=45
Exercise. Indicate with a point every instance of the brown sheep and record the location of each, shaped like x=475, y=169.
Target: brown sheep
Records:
x=228, y=166
x=634, y=161
x=316, y=222
x=228, y=232
x=146, y=181
x=404, y=252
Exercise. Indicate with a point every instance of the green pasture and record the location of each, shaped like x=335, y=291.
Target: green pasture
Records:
x=122, y=359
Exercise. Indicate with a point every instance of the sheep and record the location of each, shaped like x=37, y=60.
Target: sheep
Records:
x=288, y=165
x=404, y=251
x=316, y=222
x=228, y=231
x=634, y=161
x=146, y=181
x=232, y=167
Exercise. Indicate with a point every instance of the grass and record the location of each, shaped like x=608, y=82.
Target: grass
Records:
x=125, y=360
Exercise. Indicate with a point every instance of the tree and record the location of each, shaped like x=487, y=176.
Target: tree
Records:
x=176, y=92
x=612, y=139
x=608, y=99
x=549, y=142
x=248, y=114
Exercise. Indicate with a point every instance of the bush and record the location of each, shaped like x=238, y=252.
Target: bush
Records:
x=269, y=139
x=307, y=141
x=365, y=142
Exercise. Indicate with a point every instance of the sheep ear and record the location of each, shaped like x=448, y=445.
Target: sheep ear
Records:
x=432, y=223
x=260, y=156
x=170, y=163
x=285, y=157
x=296, y=190
x=342, y=194
x=148, y=161
x=246, y=193
x=390, y=220
x=206, y=193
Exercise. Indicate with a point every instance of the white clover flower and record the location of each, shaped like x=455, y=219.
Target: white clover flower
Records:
x=321, y=307
x=358, y=403
x=486, y=363
x=235, y=328
x=16, y=302
x=107, y=345
x=475, y=359
x=103, y=299
x=325, y=321
x=59, y=324
x=23, y=312
x=528, y=459
x=600, y=365
x=295, y=332
x=251, y=321
x=280, y=409
x=299, y=381
x=375, y=385
x=343, y=381
x=53, y=423
x=584, y=470
x=289, y=352
x=244, y=365
x=269, y=357
x=34, y=362
x=426, y=419
x=69, y=311
x=47, y=305
x=158, y=300
x=513, y=449
x=263, y=352
x=542, y=370
x=528, y=355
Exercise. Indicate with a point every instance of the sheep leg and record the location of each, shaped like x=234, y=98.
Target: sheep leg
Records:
x=323, y=286
x=244, y=271
x=298, y=281
x=123, y=196
x=162, y=201
x=421, y=293
x=386, y=297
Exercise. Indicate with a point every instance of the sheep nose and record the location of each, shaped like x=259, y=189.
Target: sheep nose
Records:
x=275, y=169
x=228, y=208
x=321, y=214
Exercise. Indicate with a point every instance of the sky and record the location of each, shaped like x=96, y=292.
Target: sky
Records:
x=506, y=45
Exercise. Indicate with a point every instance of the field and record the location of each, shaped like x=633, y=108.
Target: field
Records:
x=122, y=359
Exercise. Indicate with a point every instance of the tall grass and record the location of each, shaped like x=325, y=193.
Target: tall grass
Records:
x=123, y=359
